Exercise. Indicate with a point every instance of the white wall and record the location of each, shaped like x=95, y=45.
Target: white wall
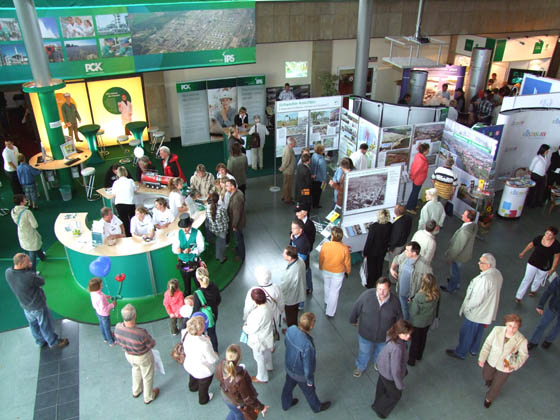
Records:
x=270, y=62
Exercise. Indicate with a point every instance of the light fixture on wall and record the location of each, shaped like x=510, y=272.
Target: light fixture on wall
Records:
x=522, y=43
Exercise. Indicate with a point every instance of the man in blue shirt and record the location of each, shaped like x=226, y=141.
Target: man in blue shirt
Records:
x=300, y=365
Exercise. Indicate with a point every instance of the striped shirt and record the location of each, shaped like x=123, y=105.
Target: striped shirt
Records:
x=444, y=181
x=135, y=341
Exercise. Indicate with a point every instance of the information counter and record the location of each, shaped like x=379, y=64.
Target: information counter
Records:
x=148, y=265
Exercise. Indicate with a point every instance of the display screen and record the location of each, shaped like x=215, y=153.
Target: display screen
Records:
x=516, y=75
x=296, y=69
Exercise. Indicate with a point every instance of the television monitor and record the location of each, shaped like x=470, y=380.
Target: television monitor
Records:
x=516, y=75
x=68, y=149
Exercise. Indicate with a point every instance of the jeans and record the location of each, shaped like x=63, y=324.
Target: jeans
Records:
x=413, y=197
x=220, y=247
x=239, y=243
x=33, y=257
x=308, y=281
x=364, y=352
x=105, y=327
x=308, y=391
x=455, y=278
x=547, y=317
x=404, y=306
x=41, y=326
x=470, y=337
x=234, y=412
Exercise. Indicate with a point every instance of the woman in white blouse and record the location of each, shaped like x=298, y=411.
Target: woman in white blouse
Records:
x=260, y=338
x=161, y=214
x=200, y=358
x=141, y=225
x=177, y=203
x=123, y=190
x=538, y=168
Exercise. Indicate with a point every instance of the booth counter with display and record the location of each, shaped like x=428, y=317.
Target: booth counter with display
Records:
x=148, y=265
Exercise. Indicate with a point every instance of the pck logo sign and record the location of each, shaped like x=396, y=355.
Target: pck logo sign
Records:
x=186, y=86
x=229, y=58
x=93, y=67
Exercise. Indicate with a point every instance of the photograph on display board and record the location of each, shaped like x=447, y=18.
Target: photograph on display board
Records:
x=54, y=51
x=325, y=125
x=430, y=134
x=13, y=55
x=9, y=30
x=291, y=124
x=368, y=133
x=115, y=46
x=49, y=28
x=78, y=50
x=113, y=24
x=349, y=123
x=394, y=146
x=222, y=108
x=192, y=30
x=77, y=27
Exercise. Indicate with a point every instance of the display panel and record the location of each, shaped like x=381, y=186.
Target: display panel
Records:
x=295, y=69
x=394, y=146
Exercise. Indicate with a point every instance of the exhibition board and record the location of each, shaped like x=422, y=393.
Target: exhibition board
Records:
x=84, y=42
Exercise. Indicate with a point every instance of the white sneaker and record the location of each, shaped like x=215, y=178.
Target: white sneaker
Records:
x=210, y=396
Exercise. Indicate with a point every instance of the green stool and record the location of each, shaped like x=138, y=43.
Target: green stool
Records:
x=137, y=128
x=90, y=133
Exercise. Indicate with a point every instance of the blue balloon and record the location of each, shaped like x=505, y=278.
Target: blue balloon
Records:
x=100, y=267
x=203, y=315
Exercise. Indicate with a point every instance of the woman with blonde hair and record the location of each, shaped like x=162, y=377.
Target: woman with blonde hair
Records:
x=432, y=210
x=123, y=189
x=172, y=301
x=237, y=389
x=161, y=214
x=423, y=309
x=200, y=359
x=504, y=351
x=376, y=246
x=177, y=202
x=334, y=263
x=207, y=297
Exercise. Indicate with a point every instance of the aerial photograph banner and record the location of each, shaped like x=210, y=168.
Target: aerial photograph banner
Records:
x=101, y=41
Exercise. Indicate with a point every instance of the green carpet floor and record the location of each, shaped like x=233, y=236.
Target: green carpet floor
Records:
x=11, y=315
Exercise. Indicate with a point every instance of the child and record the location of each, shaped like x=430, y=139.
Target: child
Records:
x=102, y=309
x=186, y=311
x=173, y=300
x=26, y=176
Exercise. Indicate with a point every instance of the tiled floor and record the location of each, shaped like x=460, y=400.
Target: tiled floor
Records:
x=437, y=388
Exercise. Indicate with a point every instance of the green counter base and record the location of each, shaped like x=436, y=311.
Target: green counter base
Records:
x=67, y=298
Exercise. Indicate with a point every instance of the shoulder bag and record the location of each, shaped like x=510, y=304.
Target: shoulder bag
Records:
x=275, y=332
x=178, y=351
x=205, y=308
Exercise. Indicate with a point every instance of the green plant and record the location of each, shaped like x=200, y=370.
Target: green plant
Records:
x=329, y=84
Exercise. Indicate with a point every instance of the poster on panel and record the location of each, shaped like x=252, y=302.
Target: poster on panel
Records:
x=193, y=116
x=371, y=189
x=394, y=146
x=324, y=128
x=430, y=134
x=368, y=133
x=222, y=106
x=349, y=124
x=251, y=94
x=291, y=124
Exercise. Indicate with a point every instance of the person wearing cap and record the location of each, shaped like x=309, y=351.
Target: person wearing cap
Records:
x=226, y=115
x=125, y=49
x=125, y=108
x=188, y=244
x=70, y=116
x=170, y=162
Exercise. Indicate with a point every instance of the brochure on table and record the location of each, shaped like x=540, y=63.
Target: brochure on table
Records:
x=308, y=121
x=474, y=154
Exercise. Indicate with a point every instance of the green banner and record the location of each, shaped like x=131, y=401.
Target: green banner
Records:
x=102, y=41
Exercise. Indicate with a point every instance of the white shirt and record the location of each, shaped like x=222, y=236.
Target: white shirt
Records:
x=176, y=200
x=262, y=130
x=199, y=243
x=141, y=227
x=10, y=155
x=286, y=96
x=200, y=357
x=452, y=114
x=538, y=165
x=359, y=160
x=113, y=227
x=162, y=217
x=123, y=190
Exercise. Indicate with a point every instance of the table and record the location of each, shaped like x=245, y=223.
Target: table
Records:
x=513, y=197
x=90, y=133
x=148, y=265
x=137, y=128
x=53, y=165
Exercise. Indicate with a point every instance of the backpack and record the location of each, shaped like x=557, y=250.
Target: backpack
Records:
x=205, y=309
x=255, y=140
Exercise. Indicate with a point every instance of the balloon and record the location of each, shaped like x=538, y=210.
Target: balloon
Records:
x=138, y=152
x=203, y=315
x=100, y=266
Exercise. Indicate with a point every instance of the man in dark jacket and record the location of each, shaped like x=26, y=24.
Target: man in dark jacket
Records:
x=300, y=365
x=304, y=181
x=400, y=230
x=375, y=311
x=300, y=241
x=27, y=286
x=310, y=232
x=552, y=311
x=236, y=213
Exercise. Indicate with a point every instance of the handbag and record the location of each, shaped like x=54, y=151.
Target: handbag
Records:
x=363, y=272
x=435, y=322
x=178, y=351
x=275, y=333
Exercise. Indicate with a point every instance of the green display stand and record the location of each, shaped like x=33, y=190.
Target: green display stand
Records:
x=90, y=133
x=137, y=128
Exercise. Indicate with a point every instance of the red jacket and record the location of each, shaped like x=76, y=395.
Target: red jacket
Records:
x=173, y=303
x=419, y=169
x=173, y=168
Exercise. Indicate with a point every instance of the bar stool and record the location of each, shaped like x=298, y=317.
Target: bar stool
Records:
x=151, y=130
x=158, y=137
x=89, y=182
x=101, y=146
x=135, y=144
x=120, y=141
